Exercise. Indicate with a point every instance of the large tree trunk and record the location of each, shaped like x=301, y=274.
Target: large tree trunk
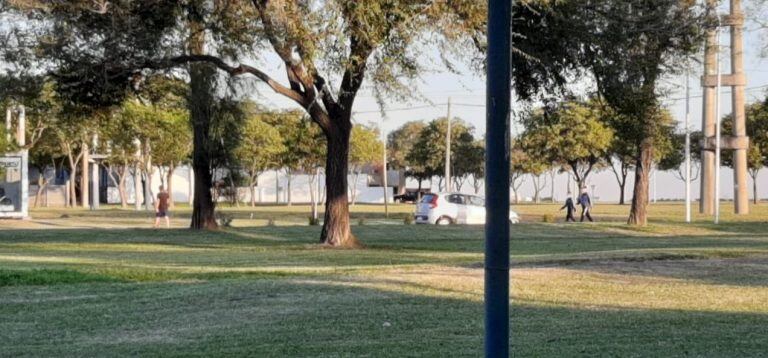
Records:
x=201, y=103
x=336, y=230
x=638, y=214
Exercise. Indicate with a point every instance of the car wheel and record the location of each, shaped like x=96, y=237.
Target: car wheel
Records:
x=443, y=220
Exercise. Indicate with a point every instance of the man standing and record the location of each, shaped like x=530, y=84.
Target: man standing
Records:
x=586, y=205
x=161, y=207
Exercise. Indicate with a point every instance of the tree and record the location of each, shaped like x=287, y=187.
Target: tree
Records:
x=400, y=144
x=173, y=145
x=74, y=129
x=468, y=159
x=364, y=148
x=261, y=149
x=305, y=143
x=674, y=160
x=118, y=141
x=621, y=153
x=517, y=169
x=569, y=133
x=628, y=46
x=536, y=166
x=44, y=154
x=429, y=149
x=343, y=42
x=757, y=130
x=473, y=159
x=41, y=107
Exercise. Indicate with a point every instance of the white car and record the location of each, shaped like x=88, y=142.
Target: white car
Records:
x=454, y=208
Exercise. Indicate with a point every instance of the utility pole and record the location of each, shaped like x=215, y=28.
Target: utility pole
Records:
x=736, y=21
x=498, y=103
x=95, y=176
x=706, y=203
x=84, y=197
x=654, y=183
x=448, y=151
x=717, y=132
x=687, y=147
x=737, y=141
x=137, y=176
x=384, y=180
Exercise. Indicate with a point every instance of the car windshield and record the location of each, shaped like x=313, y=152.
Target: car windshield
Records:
x=456, y=199
x=477, y=201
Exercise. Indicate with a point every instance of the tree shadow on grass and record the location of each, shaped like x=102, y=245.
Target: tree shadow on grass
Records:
x=324, y=318
x=743, y=271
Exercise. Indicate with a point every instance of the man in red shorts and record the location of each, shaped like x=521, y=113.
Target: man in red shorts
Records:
x=161, y=207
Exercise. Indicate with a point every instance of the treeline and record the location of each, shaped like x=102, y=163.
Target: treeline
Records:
x=149, y=133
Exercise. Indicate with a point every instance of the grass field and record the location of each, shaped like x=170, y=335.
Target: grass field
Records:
x=79, y=283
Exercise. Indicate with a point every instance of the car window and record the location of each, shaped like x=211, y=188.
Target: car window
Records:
x=427, y=198
x=456, y=199
x=476, y=201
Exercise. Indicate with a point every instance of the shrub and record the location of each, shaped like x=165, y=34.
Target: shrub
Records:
x=548, y=218
x=407, y=219
x=271, y=222
x=361, y=221
x=224, y=220
x=314, y=221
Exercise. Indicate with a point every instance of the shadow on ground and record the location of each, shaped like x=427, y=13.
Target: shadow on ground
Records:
x=323, y=318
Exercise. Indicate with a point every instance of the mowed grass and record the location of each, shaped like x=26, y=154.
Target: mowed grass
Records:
x=103, y=284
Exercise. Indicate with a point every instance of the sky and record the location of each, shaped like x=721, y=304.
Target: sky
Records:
x=467, y=94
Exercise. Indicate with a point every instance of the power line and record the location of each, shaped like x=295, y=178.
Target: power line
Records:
x=436, y=105
x=729, y=92
x=399, y=109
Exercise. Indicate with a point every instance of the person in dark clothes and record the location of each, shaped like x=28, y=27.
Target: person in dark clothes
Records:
x=161, y=207
x=570, y=208
x=586, y=205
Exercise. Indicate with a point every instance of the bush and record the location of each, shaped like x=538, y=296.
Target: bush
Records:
x=224, y=220
x=361, y=221
x=407, y=219
x=271, y=222
x=314, y=221
x=548, y=218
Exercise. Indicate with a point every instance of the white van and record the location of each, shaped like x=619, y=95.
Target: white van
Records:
x=454, y=208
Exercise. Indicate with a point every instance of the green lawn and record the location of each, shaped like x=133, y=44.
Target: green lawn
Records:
x=79, y=283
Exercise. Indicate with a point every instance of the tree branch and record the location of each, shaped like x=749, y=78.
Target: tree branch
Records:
x=240, y=69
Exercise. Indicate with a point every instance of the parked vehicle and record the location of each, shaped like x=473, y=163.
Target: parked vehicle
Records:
x=410, y=196
x=454, y=208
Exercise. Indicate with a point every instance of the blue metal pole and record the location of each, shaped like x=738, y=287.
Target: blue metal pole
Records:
x=497, y=179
